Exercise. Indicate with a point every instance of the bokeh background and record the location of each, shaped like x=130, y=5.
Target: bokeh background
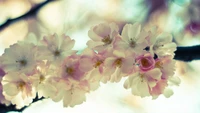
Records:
x=181, y=18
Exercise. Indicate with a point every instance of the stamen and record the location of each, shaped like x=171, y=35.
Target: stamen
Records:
x=106, y=40
x=145, y=62
x=69, y=70
x=21, y=85
x=159, y=64
x=142, y=77
x=42, y=78
x=98, y=63
x=132, y=43
x=22, y=62
x=118, y=62
x=57, y=53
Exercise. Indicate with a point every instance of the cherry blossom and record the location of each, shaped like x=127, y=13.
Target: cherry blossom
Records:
x=102, y=36
x=2, y=98
x=40, y=80
x=20, y=57
x=145, y=62
x=117, y=65
x=18, y=89
x=161, y=43
x=141, y=83
x=132, y=39
x=93, y=63
x=56, y=48
x=51, y=69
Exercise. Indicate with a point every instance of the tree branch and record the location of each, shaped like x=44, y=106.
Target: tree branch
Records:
x=5, y=109
x=188, y=53
x=32, y=12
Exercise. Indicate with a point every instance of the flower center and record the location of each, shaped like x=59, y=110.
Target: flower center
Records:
x=159, y=64
x=98, y=63
x=42, y=78
x=69, y=70
x=21, y=85
x=22, y=62
x=57, y=53
x=145, y=62
x=132, y=43
x=106, y=40
x=142, y=77
x=118, y=62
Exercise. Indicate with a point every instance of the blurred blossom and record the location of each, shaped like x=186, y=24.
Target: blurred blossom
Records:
x=74, y=18
x=15, y=8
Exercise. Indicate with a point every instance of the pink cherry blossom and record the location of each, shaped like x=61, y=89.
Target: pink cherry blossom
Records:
x=102, y=36
x=20, y=57
x=161, y=43
x=71, y=68
x=166, y=65
x=40, y=79
x=2, y=98
x=158, y=88
x=146, y=62
x=70, y=92
x=117, y=65
x=141, y=83
x=132, y=39
x=18, y=89
x=93, y=63
x=56, y=48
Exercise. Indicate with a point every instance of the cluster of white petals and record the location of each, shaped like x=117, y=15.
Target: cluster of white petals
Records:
x=52, y=69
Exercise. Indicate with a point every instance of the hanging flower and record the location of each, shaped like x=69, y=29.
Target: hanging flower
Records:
x=117, y=65
x=2, y=98
x=146, y=62
x=56, y=48
x=132, y=39
x=18, y=89
x=20, y=57
x=71, y=68
x=40, y=80
x=161, y=44
x=102, y=36
x=142, y=83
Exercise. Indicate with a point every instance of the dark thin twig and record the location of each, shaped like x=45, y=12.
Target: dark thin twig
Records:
x=5, y=109
x=30, y=13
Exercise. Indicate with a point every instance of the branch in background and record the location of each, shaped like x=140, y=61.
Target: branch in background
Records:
x=32, y=12
x=187, y=54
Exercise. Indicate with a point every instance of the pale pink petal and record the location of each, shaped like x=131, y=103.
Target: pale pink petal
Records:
x=102, y=29
x=168, y=92
x=10, y=89
x=94, y=36
x=134, y=30
x=154, y=73
x=92, y=44
x=175, y=80
x=109, y=62
x=67, y=98
x=127, y=66
x=125, y=36
x=119, y=53
x=67, y=44
x=78, y=97
x=141, y=37
x=86, y=64
x=143, y=89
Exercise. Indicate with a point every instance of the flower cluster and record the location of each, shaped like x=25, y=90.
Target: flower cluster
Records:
x=51, y=69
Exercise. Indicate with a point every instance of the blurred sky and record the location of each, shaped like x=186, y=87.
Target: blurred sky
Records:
x=75, y=17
